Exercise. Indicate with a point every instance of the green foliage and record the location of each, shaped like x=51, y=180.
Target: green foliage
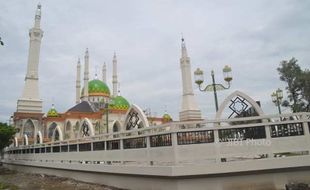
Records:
x=4, y=186
x=298, y=85
x=6, y=134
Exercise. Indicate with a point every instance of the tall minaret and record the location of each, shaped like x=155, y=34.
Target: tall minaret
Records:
x=190, y=109
x=86, y=75
x=104, y=73
x=78, y=82
x=114, y=76
x=30, y=100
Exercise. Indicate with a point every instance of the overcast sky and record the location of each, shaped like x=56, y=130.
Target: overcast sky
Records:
x=250, y=36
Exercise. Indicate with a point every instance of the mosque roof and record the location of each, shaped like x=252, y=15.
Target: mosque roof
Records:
x=120, y=103
x=97, y=88
x=84, y=106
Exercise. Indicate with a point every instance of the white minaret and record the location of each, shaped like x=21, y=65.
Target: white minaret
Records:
x=114, y=76
x=78, y=82
x=86, y=75
x=30, y=100
x=104, y=73
x=190, y=109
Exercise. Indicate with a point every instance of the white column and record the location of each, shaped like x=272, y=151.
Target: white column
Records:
x=86, y=75
x=104, y=73
x=189, y=109
x=78, y=82
x=114, y=76
x=30, y=100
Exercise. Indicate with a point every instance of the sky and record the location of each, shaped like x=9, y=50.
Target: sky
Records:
x=252, y=37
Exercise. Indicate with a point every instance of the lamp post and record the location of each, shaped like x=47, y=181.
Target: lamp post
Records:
x=277, y=98
x=106, y=106
x=199, y=79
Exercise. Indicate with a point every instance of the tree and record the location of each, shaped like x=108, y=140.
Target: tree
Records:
x=297, y=85
x=6, y=135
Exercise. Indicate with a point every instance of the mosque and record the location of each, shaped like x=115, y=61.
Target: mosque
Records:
x=98, y=110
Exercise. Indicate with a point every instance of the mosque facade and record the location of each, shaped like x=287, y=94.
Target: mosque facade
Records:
x=98, y=110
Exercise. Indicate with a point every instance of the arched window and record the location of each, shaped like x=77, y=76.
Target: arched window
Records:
x=56, y=136
x=51, y=130
x=85, y=129
x=68, y=126
x=29, y=129
x=135, y=118
x=97, y=128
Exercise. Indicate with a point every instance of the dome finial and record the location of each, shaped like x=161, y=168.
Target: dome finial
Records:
x=38, y=16
x=184, y=51
x=119, y=89
x=96, y=71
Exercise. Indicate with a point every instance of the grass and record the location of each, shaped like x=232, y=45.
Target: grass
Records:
x=7, y=186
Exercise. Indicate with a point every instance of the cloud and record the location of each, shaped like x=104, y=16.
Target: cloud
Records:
x=250, y=36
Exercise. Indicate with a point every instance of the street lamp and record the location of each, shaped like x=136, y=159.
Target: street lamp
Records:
x=199, y=79
x=277, y=98
x=105, y=106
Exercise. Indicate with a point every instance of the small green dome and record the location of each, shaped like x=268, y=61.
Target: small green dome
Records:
x=119, y=103
x=52, y=112
x=97, y=88
x=167, y=117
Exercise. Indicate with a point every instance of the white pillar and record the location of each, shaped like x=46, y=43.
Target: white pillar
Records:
x=189, y=109
x=86, y=75
x=30, y=100
x=114, y=76
x=78, y=82
x=104, y=73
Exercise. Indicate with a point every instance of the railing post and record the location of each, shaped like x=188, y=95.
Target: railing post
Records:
x=217, y=145
x=121, y=147
x=268, y=137
x=148, y=147
x=174, y=141
x=305, y=124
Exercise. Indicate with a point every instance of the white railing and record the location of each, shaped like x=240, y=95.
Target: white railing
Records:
x=204, y=142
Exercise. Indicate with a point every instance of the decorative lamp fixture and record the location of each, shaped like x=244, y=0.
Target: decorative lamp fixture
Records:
x=198, y=74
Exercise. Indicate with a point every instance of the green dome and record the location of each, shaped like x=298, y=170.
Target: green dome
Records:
x=97, y=88
x=120, y=103
x=167, y=117
x=52, y=112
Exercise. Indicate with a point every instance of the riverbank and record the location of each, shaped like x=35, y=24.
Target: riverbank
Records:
x=14, y=180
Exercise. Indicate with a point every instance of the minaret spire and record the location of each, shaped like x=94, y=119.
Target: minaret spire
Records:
x=30, y=100
x=189, y=109
x=184, y=51
x=104, y=73
x=78, y=82
x=38, y=17
x=86, y=75
x=114, y=76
